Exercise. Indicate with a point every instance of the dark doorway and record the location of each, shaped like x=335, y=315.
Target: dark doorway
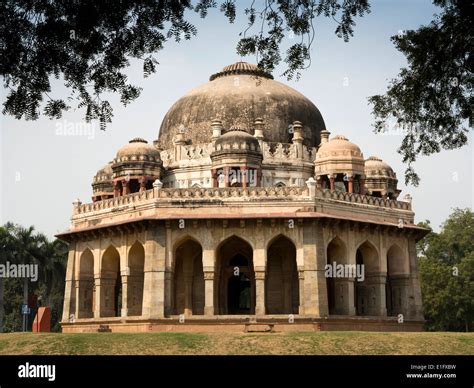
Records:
x=238, y=294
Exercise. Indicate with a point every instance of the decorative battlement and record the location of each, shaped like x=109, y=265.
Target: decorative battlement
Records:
x=277, y=152
x=236, y=193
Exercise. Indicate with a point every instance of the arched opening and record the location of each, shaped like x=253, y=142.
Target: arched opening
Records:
x=281, y=280
x=189, y=279
x=86, y=285
x=136, y=263
x=366, y=296
x=338, y=288
x=111, y=284
x=235, y=277
x=394, y=289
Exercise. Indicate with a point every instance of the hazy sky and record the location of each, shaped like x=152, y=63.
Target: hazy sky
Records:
x=42, y=171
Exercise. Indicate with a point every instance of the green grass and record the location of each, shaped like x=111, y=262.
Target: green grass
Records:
x=342, y=343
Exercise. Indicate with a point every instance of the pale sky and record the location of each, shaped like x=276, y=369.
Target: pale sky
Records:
x=43, y=171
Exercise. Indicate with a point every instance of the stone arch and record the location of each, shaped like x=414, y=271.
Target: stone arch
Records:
x=136, y=264
x=338, y=287
x=235, y=277
x=86, y=285
x=110, y=283
x=281, y=280
x=368, y=294
x=395, y=286
x=280, y=184
x=188, y=277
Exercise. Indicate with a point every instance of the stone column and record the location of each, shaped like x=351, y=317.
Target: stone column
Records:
x=301, y=289
x=226, y=176
x=243, y=174
x=331, y=182
x=98, y=296
x=116, y=189
x=143, y=181
x=415, y=307
x=209, y=292
x=362, y=186
x=350, y=184
x=154, y=279
x=125, y=188
x=69, y=306
x=214, y=177
x=315, y=297
x=344, y=296
x=125, y=289
x=260, y=292
x=259, y=178
x=377, y=302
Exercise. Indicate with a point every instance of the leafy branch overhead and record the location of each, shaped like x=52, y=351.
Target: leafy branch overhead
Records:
x=431, y=101
x=88, y=44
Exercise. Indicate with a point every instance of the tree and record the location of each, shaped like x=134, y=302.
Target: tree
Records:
x=447, y=273
x=431, y=100
x=88, y=43
x=19, y=245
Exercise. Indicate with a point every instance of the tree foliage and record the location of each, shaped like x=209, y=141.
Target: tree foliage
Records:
x=447, y=273
x=19, y=245
x=89, y=44
x=431, y=100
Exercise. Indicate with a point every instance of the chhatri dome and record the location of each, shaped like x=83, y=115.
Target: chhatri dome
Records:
x=238, y=95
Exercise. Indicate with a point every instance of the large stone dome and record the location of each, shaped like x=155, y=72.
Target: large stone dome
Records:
x=238, y=95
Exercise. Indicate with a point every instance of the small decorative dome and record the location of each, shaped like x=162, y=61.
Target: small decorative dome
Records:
x=375, y=167
x=237, y=140
x=102, y=185
x=339, y=155
x=104, y=174
x=381, y=180
x=138, y=149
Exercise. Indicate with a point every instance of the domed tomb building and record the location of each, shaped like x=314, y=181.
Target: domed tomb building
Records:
x=245, y=212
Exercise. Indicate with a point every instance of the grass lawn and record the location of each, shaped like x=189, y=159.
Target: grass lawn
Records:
x=336, y=343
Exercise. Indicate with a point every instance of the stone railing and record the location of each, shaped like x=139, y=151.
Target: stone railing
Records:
x=362, y=199
x=258, y=193
x=252, y=193
x=188, y=152
x=284, y=151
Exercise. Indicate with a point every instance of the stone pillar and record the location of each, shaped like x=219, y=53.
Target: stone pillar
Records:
x=214, y=177
x=301, y=289
x=315, y=290
x=143, y=181
x=350, y=184
x=125, y=290
x=226, y=176
x=243, y=174
x=116, y=189
x=259, y=178
x=344, y=296
x=98, y=296
x=69, y=305
x=154, y=279
x=298, y=138
x=125, y=188
x=216, y=126
x=331, y=182
x=415, y=307
x=260, y=292
x=362, y=186
x=377, y=303
x=209, y=293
